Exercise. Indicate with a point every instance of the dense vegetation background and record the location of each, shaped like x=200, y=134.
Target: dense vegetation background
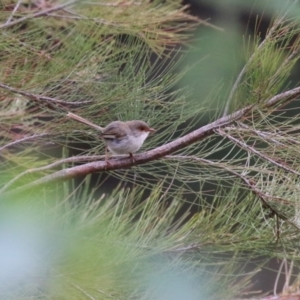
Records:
x=210, y=203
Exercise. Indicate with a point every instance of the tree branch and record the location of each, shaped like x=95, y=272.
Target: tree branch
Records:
x=38, y=14
x=40, y=97
x=13, y=12
x=159, y=152
x=22, y=140
x=114, y=164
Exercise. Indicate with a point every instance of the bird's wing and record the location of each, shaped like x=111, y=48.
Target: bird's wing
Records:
x=114, y=130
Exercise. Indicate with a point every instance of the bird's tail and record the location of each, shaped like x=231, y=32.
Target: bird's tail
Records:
x=84, y=121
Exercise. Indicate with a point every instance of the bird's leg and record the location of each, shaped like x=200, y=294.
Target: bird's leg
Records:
x=132, y=157
x=107, y=156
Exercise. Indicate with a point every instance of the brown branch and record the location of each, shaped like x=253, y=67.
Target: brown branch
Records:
x=114, y=164
x=286, y=96
x=38, y=14
x=14, y=11
x=40, y=97
x=36, y=136
x=22, y=140
x=159, y=152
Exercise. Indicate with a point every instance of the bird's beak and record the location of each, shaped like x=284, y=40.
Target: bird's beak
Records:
x=151, y=130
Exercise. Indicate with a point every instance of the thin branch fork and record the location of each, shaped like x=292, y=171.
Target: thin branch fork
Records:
x=244, y=146
x=264, y=198
x=264, y=135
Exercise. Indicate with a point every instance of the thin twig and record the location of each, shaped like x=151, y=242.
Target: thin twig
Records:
x=187, y=248
x=262, y=134
x=13, y=12
x=40, y=97
x=277, y=278
x=86, y=294
x=169, y=186
x=286, y=96
x=288, y=275
x=265, y=198
x=22, y=140
x=38, y=14
x=256, y=152
x=96, y=20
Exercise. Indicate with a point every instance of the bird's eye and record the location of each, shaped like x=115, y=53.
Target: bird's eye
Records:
x=142, y=128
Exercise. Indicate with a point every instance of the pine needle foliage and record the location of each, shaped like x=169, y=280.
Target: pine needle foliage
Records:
x=185, y=226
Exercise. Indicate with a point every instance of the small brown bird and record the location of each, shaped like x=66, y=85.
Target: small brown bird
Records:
x=120, y=137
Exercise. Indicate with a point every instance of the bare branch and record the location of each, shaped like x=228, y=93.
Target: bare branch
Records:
x=13, y=12
x=142, y=158
x=38, y=14
x=159, y=152
x=286, y=96
x=25, y=139
x=40, y=97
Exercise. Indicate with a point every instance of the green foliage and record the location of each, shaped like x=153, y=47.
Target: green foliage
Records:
x=186, y=226
x=119, y=247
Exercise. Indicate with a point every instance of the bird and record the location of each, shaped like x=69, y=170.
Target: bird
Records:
x=120, y=137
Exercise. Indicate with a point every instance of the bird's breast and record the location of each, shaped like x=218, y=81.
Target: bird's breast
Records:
x=125, y=144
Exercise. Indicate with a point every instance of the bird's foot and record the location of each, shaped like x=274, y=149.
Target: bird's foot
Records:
x=132, y=157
